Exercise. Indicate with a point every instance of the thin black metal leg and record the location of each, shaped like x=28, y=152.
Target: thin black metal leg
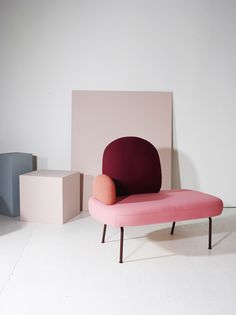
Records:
x=104, y=233
x=210, y=233
x=173, y=227
x=121, y=244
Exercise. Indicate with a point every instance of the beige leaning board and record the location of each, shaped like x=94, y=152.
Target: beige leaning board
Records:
x=98, y=117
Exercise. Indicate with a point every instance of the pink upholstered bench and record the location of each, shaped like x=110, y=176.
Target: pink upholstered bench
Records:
x=146, y=208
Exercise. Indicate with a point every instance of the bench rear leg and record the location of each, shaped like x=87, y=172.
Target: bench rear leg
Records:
x=173, y=227
x=210, y=232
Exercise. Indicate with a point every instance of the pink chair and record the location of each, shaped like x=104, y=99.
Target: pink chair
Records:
x=128, y=193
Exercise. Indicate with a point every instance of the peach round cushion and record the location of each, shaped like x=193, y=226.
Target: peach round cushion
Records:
x=165, y=206
x=104, y=189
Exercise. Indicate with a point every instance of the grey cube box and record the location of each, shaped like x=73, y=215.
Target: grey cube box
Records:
x=11, y=166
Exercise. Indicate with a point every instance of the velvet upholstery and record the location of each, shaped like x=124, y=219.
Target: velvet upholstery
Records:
x=104, y=189
x=134, y=165
x=165, y=206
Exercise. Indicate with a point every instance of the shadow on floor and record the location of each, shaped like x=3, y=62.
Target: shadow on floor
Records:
x=9, y=225
x=191, y=239
x=82, y=215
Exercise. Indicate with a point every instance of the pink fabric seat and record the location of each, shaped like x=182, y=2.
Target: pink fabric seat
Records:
x=165, y=206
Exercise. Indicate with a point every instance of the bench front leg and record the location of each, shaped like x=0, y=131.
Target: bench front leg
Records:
x=121, y=244
x=172, y=229
x=210, y=234
x=104, y=233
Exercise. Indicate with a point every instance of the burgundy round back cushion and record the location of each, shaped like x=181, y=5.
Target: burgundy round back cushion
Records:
x=134, y=165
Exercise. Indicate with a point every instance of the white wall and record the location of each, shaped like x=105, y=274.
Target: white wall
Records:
x=49, y=48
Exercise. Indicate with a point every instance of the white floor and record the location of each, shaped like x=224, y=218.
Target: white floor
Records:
x=65, y=270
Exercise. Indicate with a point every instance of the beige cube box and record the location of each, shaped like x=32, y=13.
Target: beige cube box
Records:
x=49, y=196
